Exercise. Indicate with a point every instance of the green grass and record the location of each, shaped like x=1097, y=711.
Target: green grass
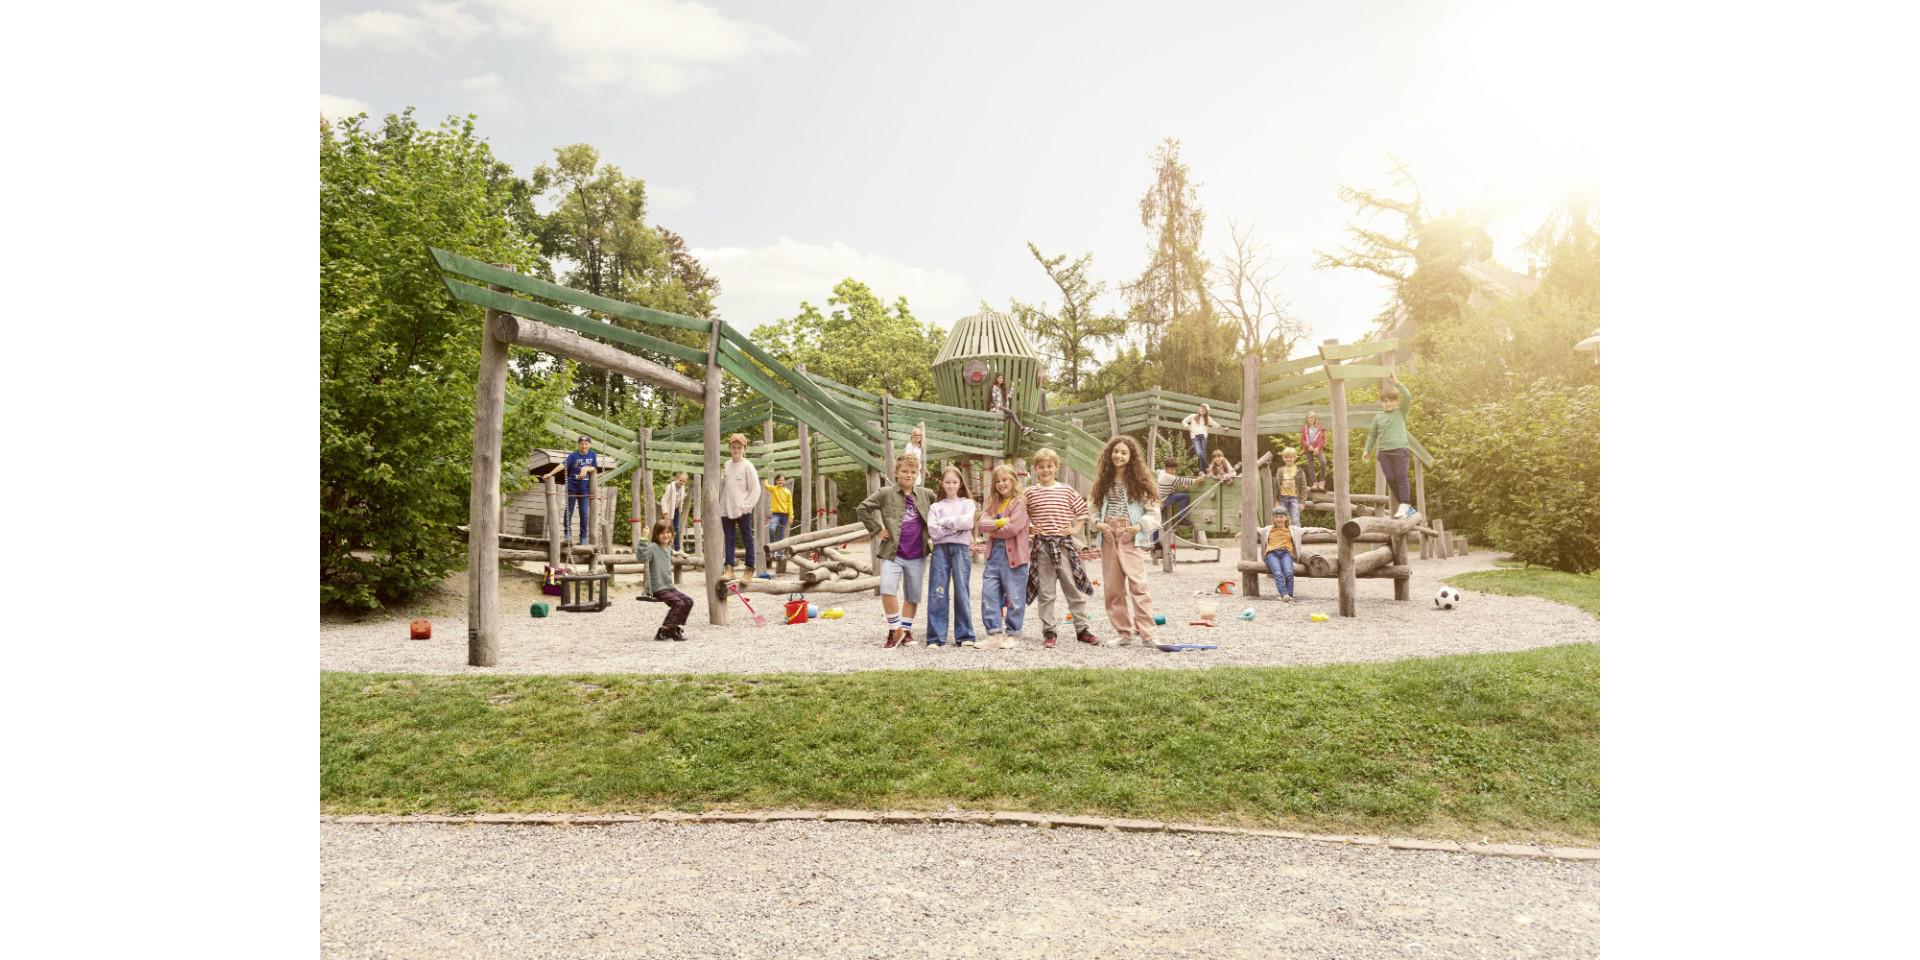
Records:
x=1513, y=580
x=1498, y=745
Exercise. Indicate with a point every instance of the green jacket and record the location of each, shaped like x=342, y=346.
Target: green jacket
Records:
x=886, y=509
x=1389, y=430
x=659, y=568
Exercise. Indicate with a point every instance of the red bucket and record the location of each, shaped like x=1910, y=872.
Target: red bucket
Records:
x=797, y=610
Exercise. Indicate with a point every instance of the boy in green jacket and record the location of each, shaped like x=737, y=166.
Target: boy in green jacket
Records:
x=1388, y=435
x=898, y=516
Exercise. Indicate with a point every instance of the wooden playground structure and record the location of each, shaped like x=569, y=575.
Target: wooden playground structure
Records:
x=841, y=428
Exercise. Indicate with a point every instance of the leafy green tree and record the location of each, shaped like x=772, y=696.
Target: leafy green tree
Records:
x=1071, y=336
x=1130, y=371
x=1525, y=468
x=860, y=341
x=399, y=356
x=1570, y=243
x=1174, y=281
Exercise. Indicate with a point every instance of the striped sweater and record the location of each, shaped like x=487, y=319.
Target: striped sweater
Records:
x=1051, y=510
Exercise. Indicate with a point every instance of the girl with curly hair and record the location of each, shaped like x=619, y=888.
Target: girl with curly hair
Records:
x=1127, y=510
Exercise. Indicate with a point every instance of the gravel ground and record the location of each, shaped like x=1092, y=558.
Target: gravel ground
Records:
x=619, y=639
x=806, y=889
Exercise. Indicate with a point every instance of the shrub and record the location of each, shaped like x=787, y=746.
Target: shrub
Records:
x=1525, y=470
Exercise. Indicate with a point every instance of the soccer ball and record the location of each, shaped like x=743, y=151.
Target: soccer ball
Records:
x=1447, y=598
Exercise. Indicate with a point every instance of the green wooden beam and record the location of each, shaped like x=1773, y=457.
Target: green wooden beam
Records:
x=534, y=286
x=1365, y=348
x=586, y=326
x=1359, y=371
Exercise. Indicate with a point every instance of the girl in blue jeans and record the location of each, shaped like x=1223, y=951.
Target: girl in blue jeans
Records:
x=1005, y=582
x=1282, y=542
x=950, y=521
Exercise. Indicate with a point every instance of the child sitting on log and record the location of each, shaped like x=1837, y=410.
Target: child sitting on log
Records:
x=1282, y=540
x=660, y=583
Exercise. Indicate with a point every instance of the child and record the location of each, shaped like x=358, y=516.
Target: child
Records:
x=739, y=494
x=1129, y=510
x=1313, y=439
x=1005, y=581
x=660, y=583
x=1220, y=467
x=1000, y=398
x=1055, y=512
x=580, y=465
x=893, y=514
x=1199, y=425
x=1389, y=436
x=780, y=509
x=917, y=449
x=671, y=501
x=1290, y=484
x=1174, y=499
x=951, y=523
x=1282, y=538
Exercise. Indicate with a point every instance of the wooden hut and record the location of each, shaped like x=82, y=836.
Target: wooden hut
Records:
x=980, y=346
x=526, y=514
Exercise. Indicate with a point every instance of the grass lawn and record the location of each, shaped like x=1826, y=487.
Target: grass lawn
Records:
x=1498, y=745
x=1578, y=589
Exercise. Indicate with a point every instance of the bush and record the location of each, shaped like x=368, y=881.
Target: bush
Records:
x=1525, y=470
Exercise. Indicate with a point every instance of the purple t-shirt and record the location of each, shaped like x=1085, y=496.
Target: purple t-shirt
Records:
x=913, y=532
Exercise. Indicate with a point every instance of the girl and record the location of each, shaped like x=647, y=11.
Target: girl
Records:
x=1199, y=426
x=1220, y=467
x=1282, y=545
x=1055, y=512
x=1289, y=485
x=951, y=522
x=1000, y=397
x=893, y=514
x=739, y=494
x=660, y=583
x=1129, y=513
x=1313, y=439
x=1005, y=580
x=917, y=449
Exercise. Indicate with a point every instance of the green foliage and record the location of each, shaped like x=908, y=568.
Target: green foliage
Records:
x=1420, y=258
x=1173, y=284
x=398, y=356
x=1495, y=745
x=862, y=342
x=1573, y=589
x=1071, y=335
x=1201, y=356
x=1525, y=468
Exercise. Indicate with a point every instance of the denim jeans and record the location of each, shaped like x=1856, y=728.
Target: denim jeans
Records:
x=583, y=503
x=1293, y=508
x=741, y=528
x=1394, y=464
x=1200, y=450
x=1280, y=564
x=947, y=586
x=1172, y=512
x=1002, y=585
x=777, y=526
x=678, y=543
x=1315, y=465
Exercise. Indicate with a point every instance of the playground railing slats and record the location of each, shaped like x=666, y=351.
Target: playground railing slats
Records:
x=534, y=286
x=586, y=326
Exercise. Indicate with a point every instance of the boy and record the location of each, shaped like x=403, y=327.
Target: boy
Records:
x=1389, y=436
x=739, y=494
x=1282, y=545
x=1174, y=499
x=1055, y=512
x=581, y=465
x=1289, y=484
x=897, y=515
x=780, y=509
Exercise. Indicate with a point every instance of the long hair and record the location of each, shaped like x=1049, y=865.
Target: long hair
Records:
x=660, y=527
x=1138, y=481
x=957, y=475
x=1003, y=470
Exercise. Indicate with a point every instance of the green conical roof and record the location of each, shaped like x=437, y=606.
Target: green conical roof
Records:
x=988, y=333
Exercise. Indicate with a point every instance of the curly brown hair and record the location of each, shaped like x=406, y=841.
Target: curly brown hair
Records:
x=1138, y=481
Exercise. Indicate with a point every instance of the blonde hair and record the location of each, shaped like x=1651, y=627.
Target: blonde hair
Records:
x=1289, y=452
x=1004, y=470
x=1044, y=454
x=739, y=438
x=906, y=459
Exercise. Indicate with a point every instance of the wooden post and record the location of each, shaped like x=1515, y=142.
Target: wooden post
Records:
x=1153, y=441
x=711, y=550
x=873, y=543
x=804, y=522
x=694, y=510
x=483, y=498
x=1420, y=504
x=1342, y=507
x=1251, y=498
x=1083, y=484
x=1113, y=417
x=763, y=507
x=551, y=487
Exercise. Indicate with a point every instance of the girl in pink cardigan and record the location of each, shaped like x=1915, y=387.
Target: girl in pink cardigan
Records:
x=1004, y=521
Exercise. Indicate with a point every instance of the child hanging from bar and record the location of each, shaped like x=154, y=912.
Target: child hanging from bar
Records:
x=1388, y=435
x=1129, y=514
x=1055, y=512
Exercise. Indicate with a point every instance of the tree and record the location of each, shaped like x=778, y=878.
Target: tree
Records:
x=1570, y=243
x=1071, y=336
x=398, y=356
x=861, y=342
x=1243, y=292
x=1174, y=280
x=1421, y=260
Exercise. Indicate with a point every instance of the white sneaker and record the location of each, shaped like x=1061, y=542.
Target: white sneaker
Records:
x=1400, y=512
x=969, y=643
x=1119, y=641
x=1009, y=642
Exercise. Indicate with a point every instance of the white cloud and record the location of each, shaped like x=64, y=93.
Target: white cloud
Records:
x=339, y=108
x=762, y=284
x=381, y=29
x=489, y=92
x=668, y=198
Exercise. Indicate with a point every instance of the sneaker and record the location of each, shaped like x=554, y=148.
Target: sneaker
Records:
x=893, y=639
x=1400, y=512
x=680, y=634
x=1087, y=637
x=969, y=643
x=936, y=643
x=1048, y=639
x=1009, y=642
x=1121, y=641
x=663, y=634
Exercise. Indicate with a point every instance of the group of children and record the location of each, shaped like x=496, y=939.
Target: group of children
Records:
x=926, y=538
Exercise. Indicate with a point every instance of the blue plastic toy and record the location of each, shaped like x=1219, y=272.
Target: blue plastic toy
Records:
x=813, y=610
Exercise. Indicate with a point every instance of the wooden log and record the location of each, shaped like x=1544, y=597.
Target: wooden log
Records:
x=847, y=559
x=1395, y=572
x=1367, y=498
x=565, y=343
x=645, y=507
x=1342, y=486
x=1402, y=586
x=1387, y=525
x=521, y=556
x=483, y=497
x=831, y=536
x=1250, y=498
x=552, y=484
x=711, y=551
x=790, y=585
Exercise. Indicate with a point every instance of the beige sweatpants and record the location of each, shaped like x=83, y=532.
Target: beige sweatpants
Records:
x=1123, y=568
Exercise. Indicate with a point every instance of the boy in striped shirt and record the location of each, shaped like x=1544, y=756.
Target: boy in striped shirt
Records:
x=1054, y=512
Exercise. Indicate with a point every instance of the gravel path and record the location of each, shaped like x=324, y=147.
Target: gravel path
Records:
x=618, y=640
x=808, y=889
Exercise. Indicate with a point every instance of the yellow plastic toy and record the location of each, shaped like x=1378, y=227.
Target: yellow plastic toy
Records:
x=834, y=613
x=1318, y=618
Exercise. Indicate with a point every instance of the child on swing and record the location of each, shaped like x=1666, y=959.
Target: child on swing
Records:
x=660, y=583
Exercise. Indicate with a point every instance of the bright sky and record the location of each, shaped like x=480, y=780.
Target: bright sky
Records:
x=918, y=147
